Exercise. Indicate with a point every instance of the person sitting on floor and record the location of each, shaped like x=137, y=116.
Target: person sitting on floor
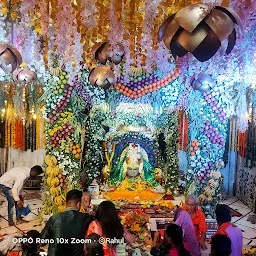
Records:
x=221, y=246
x=198, y=219
x=182, y=218
x=172, y=244
x=108, y=225
x=68, y=225
x=11, y=184
x=93, y=247
x=226, y=228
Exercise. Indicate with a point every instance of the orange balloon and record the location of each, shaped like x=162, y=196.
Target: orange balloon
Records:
x=169, y=80
x=173, y=77
x=154, y=84
x=192, y=153
x=191, y=148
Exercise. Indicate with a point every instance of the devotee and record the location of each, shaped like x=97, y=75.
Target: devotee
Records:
x=93, y=247
x=198, y=219
x=11, y=184
x=108, y=226
x=221, y=246
x=67, y=226
x=11, y=245
x=182, y=218
x=86, y=202
x=226, y=228
x=31, y=248
x=172, y=245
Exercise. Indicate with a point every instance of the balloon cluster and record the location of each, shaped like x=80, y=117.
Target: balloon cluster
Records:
x=213, y=134
x=103, y=76
x=201, y=30
x=194, y=147
x=205, y=174
x=215, y=106
x=10, y=61
x=61, y=134
x=104, y=51
x=25, y=75
x=10, y=58
x=144, y=83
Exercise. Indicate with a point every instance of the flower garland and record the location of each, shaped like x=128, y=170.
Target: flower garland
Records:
x=63, y=138
x=207, y=129
x=93, y=162
x=169, y=157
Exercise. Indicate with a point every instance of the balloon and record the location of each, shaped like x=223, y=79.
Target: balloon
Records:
x=102, y=76
x=104, y=51
x=25, y=75
x=10, y=58
x=201, y=30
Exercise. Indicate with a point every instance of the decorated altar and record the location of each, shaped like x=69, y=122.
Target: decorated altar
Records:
x=123, y=87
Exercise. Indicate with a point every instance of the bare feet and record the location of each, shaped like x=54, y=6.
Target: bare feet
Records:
x=21, y=221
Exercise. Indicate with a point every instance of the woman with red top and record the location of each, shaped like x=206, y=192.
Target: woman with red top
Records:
x=108, y=225
x=172, y=245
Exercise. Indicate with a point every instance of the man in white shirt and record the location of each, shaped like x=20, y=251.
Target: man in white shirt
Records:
x=11, y=184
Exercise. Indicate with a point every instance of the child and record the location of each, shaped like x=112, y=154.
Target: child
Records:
x=93, y=247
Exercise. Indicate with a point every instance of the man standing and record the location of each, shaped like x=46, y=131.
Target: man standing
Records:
x=198, y=219
x=67, y=226
x=226, y=228
x=11, y=184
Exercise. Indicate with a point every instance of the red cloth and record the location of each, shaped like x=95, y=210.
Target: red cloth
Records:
x=222, y=229
x=175, y=252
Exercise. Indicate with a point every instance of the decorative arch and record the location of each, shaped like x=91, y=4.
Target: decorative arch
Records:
x=133, y=137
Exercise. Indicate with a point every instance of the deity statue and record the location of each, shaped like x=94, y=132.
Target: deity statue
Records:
x=134, y=166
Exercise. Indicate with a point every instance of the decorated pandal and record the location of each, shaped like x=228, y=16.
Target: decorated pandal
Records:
x=139, y=101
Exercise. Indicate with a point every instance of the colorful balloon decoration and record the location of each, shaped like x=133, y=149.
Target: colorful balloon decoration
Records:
x=104, y=51
x=203, y=83
x=102, y=76
x=25, y=75
x=201, y=30
x=10, y=58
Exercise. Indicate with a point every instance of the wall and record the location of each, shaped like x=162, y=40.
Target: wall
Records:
x=246, y=183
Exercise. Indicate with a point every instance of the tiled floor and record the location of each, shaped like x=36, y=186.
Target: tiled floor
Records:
x=248, y=229
x=35, y=205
